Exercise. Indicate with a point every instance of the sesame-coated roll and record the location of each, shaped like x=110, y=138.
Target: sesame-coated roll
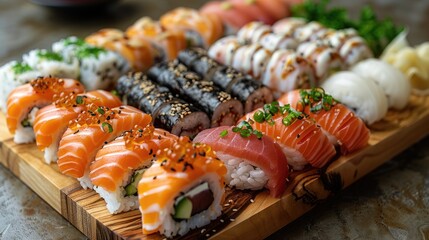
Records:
x=219, y=105
x=182, y=190
x=168, y=112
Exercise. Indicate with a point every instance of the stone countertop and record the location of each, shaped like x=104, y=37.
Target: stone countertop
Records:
x=390, y=203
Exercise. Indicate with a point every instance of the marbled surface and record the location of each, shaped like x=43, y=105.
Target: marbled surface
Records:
x=390, y=203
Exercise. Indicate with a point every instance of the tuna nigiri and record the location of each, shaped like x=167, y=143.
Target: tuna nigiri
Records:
x=339, y=123
x=119, y=165
x=182, y=190
x=302, y=141
x=52, y=121
x=87, y=134
x=252, y=162
x=24, y=102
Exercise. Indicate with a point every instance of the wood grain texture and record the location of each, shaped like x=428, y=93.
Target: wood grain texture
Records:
x=242, y=217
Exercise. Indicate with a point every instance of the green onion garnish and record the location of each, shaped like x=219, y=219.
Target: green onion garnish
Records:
x=79, y=99
x=258, y=116
x=19, y=68
x=223, y=133
x=50, y=56
x=100, y=110
x=107, y=127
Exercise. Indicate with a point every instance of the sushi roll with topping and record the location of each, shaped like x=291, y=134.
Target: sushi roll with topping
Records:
x=25, y=101
x=13, y=75
x=253, y=162
x=309, y=32
x=168, y=112
x=99, y=68
x=87, y=134
x=52, y=121
x=354, y=50
x=201, y=29
x=224, y=49
x=302, y=141
x=340, y=124
x=393, y=82
x=170, y=41
x=141, y=54
x=249, y=91
x=120, y=164
x=363, y=96
x=50, y=63
x=287, y=71
x=182, y=190
x=254, y=10
x=325, y=60
x=219, y=105
x=287, y=26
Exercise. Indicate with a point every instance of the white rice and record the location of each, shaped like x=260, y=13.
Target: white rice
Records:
x=170, y=227
x=103, y=71
x=10, y=80
x=26, y=134
x=53, y=68
x=85, y=181
x=241, y=174
x=294, y=157
x=116, y=202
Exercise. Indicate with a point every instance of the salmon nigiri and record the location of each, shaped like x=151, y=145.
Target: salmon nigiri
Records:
x=24, y=102
x=340, y=123
x=52, y=121
x=302, y=141
x=87, y=134
x=120, y=164
x=253, y=162
x=182, y=190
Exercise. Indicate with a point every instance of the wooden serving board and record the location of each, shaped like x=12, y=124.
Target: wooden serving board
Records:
x=254, y=215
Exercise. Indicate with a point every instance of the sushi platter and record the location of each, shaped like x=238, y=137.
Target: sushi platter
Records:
x=260, y=216
x=196, y=126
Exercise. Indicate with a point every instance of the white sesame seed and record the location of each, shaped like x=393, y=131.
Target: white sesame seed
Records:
x=222, y=220
x=252, y=201
x=203, y=230
x=232, y=219
x=235, y=210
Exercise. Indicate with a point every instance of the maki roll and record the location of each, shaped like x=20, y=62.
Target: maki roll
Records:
x=87, y=134
x=182, y=190
x=50, y=63
x=52, y=121
x=168, y=112
x=120, y=164
x=253, y=162
x=287, y=26
x=25, y=101
x=224, y=49
x=169, y=41
x=219, y=105
x=99, y=67
x=201, y=29
x=13, y=75
x=246, y=89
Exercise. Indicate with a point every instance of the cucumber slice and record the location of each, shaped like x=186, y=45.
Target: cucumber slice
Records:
x=131, y=189
x=183, y=209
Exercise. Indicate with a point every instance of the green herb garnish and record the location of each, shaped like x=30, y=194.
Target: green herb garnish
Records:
x=20, y=68
x=107, y=127
x=79, y=100
x=317, y=99
x=270, y=110
x=89, y=51
x=114, y=92
x=246, y=130
x=100, y=110
x=74, y=41
x=223, y=133
x=25, y=123
x=52, y=56
x=377, y=33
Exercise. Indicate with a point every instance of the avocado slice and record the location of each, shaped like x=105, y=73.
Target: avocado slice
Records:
x=183, y=209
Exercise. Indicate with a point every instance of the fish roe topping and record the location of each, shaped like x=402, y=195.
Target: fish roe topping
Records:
x=70, y=100
x=95, y=115
x=42, y=84
x=186, y=156
x=138, y=135
x=317, y=99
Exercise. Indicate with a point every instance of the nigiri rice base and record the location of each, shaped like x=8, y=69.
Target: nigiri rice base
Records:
x=116, y=202
x=26, y=134
x=241, y=174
